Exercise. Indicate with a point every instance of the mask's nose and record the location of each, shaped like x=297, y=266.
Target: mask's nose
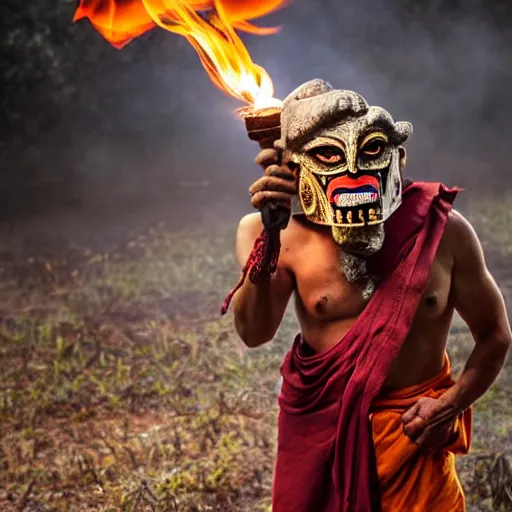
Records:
x=352, y=160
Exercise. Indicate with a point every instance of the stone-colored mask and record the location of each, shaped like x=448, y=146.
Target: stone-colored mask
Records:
x=349, y=155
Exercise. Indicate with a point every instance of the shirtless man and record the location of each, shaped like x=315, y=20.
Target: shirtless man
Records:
x=327, y=304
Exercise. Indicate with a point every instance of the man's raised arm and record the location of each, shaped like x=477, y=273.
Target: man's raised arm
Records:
x=259, y=309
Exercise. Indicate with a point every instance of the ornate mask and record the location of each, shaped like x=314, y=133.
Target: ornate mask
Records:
x=349, y=156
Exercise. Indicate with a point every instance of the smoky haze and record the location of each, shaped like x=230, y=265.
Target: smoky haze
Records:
x=99, y=140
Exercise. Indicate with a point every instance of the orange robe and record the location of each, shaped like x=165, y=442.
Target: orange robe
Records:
x=412, y=479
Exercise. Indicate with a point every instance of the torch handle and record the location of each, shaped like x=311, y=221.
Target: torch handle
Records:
x=274, y=217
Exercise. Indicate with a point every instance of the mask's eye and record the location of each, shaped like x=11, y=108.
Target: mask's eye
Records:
x=330, y=155
x=373, y=148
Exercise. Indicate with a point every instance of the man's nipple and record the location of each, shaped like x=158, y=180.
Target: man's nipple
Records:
x=431, y=301
x=321, y=305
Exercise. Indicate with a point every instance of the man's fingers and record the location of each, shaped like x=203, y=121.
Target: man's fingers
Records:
x=267, y=157
x=444, y=417
x=269, y=195
x=293, y=166
x=424, y=438
x=435, y=437
x=278, y=184
x=414, y=428
x=259, y=199
x=280, y=171
x=410, y=413
x=272, y=183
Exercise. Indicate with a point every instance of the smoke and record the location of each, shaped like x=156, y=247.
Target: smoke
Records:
x=445, y=69
x=146, y=135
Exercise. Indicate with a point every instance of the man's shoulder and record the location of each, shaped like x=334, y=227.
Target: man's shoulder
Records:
x=457, y=225
x=251, y=222
x=460, y=235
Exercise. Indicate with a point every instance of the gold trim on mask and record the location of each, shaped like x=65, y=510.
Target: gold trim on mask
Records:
x=320, y=142
x=312, y=198
x=374, y=135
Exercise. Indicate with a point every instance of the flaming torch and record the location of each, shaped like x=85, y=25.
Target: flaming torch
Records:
x=209, y=26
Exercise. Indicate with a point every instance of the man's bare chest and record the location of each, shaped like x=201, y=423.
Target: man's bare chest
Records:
x=324, y=293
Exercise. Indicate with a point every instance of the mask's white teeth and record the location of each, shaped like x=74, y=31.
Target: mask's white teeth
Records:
x=351, y=199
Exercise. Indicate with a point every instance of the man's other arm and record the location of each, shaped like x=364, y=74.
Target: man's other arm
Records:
x=259, y=309
x=478, y=300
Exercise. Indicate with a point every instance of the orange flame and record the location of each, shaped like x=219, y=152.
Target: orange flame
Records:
x=209, y=25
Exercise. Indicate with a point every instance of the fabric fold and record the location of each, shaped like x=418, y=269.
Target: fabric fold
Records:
x=326, y=459
x=408, y=474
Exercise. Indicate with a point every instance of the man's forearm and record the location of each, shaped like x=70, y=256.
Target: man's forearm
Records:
x=481, y=370
x=256, y=314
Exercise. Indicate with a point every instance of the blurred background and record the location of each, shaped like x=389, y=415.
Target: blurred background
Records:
x=124, y=174
x=93, y=135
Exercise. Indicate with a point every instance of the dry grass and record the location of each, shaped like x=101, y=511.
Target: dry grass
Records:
x=122, y=389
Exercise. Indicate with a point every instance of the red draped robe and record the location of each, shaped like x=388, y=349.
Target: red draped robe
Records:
x=326, y=457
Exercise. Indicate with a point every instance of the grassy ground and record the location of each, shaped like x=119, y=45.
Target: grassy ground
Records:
x=123, y=390
x=492, y=214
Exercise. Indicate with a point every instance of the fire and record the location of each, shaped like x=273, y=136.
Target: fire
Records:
x=208, y=25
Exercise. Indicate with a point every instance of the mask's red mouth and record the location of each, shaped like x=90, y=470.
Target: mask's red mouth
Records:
x=348, y=183
x=346, y=191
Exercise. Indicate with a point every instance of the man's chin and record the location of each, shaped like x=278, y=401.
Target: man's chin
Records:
x=360, y=241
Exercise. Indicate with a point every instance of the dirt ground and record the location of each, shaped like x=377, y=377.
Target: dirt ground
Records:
x=123, y=389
